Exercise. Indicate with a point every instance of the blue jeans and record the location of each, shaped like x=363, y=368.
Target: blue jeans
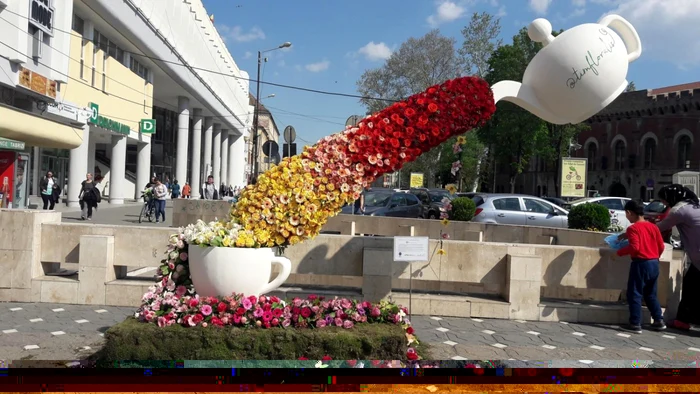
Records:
x=642, y=284
x=160, y=209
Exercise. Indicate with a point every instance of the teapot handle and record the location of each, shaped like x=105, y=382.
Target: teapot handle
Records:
x=627, y=33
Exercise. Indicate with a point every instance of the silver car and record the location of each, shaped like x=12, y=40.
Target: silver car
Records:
x=518, y=209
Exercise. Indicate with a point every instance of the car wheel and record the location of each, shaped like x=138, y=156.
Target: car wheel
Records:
x=432, y=215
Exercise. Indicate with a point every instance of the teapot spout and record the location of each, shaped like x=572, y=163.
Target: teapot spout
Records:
x=522, y=96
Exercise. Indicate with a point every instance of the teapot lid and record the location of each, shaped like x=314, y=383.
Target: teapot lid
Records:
x=540, y=30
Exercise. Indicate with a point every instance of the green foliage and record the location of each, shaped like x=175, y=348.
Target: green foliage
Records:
x=592, y=217
x=463, y=209
x=132, y=340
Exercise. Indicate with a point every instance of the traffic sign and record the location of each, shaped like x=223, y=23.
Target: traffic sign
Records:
x=269, y=148
x=290, y=134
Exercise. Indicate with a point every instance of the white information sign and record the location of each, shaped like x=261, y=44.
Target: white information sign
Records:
x=411, y=249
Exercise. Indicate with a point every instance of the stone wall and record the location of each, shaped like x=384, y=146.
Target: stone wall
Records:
x=187, y=211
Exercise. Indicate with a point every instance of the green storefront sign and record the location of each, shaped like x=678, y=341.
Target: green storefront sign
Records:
x=11, y=144
x=106, y=123
x=147, y=126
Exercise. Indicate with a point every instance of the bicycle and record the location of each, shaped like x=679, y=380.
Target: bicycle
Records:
x=149, y=210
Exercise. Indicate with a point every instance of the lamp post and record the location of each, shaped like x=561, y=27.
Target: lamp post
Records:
x=256, y=111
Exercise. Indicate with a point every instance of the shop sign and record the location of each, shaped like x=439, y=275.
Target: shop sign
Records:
x=41, y=15
x=416, y=179
x=37, y=83
x=11, y=144
x=573, y=177
x=106, y=123
x=63, y=109
x=147, y=126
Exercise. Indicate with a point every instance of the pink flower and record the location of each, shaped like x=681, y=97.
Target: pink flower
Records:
x=275, y=321
x=348, y=324
x=162, y=322
x=345, y=303
x=375, y=312
x=205, y=324
x=183, y=256
x=286, y=323
x=244, y=320
x=247, y=304
x=253, y=299
x=267, y=316
x=312, y=297
x=236, y=319
x=338, y=321
x=258, y=323
x=445, y=236
x=263, y=299
x=180, y=291
x=320, y=323
x=206, y=310
x=297, y=302
x=258, y=312
x=193, y=302
x=171, y=266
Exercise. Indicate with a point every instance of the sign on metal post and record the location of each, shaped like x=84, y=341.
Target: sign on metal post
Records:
x=572, y=177
x=416, y=180
x=410, y=249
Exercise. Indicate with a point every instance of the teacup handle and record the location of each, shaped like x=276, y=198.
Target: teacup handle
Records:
x=281, y=277
x=628, y=34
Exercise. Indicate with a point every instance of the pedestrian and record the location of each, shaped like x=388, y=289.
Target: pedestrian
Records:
x=175, y=190
x=47, y=186
x=209, y=191
x=685, y=216
x=645, y=247
x=89, y=197
x=160, y=192
x=186, y=190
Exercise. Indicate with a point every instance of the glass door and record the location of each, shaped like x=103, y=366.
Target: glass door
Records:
x=21, y=178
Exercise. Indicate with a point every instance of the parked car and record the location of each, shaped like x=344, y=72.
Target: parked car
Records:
x=616, y=206
x=386, y=202
x=558, y=202
x=518, y=209
x=432, y=201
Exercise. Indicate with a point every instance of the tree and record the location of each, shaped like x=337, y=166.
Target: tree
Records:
x=554, y=143
x=418, y=64
x=480, y=41
x=512, y=132
x=631, y=87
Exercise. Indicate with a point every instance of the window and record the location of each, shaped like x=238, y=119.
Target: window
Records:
x=592, y=152
x=507, y=204
x=612, y=203
x=537, y=206
x=78, y=25
x=684, y=145
x=423, y=196
x=139, y=69
x=649, y=153
x=412, y=200
x=398, y=200
x=619, y=155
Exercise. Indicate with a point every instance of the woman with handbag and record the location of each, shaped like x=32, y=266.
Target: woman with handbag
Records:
x=47, y=186
x=87, y=197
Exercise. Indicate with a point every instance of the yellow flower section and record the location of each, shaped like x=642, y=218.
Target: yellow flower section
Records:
x=289, y=203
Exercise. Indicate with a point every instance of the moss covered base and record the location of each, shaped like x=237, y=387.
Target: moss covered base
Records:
x=132, y=340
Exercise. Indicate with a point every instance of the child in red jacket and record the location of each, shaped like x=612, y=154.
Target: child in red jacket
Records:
x=645, y=247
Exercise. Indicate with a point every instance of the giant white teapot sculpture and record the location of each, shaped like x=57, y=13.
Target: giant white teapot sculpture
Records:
x=577, y=73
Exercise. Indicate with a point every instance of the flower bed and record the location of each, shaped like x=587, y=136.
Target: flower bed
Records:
x=132, y=340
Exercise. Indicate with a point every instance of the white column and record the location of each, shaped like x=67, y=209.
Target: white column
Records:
x=224, y=157
x=143, y=167
x=194, y=180
x=116, y=171
x=92, y=148
x=77, y=168
x=232, y=138
x=237, y=155
x=208, y=133
x=216, y=167
x=36, y=153
x=183, y=135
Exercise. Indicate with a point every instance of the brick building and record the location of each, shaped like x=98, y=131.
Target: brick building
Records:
x=634, y=146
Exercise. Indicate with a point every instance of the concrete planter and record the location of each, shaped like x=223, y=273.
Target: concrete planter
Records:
x=218, y=271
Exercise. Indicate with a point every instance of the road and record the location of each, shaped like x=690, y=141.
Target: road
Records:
x=69, y=332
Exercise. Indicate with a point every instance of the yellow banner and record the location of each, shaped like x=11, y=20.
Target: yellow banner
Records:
x=573, y=178
x=416, y=179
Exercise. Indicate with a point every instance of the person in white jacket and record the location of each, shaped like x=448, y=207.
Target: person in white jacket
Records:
x=160, y=192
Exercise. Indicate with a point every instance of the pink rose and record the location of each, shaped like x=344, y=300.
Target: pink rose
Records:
x=236, y=319
x=338, y=321
x=320, y=323
x=244, y=320
x=348, y=324
x=193, y=302
x=247, y=304
x=258, y=312
x=180, y=291
x=206, y=310
x=263, y=299
x=275, y=321
x=171, y=266
x=375, y=312
x=161, y=321
x=205, y=324
x=183, y=256
x=286, y=323
x=345, y=303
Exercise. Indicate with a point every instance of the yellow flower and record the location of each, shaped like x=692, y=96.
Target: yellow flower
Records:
x=461, y=140
x=451, y=188
x=441, y=252
x=445, y=222
x=226, y=242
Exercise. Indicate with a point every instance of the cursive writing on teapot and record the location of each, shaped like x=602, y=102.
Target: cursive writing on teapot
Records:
x=577, y=73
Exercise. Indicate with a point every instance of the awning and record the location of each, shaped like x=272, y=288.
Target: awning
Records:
x=36, y=130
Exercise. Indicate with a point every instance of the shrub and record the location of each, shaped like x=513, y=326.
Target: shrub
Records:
x=593, y=217
x=133, y=340
x=463, y=209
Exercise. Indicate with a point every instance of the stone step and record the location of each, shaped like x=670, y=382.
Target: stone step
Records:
x=586, y=312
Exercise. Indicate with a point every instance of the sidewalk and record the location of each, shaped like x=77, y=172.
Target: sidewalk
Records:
x=36, y=203
x=68, y=332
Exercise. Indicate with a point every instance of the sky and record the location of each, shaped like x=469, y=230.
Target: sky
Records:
x=335, y=41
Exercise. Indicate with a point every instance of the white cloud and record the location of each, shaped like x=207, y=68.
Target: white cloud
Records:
x=374, y=52
x=447, y=11
x=669, y=29
x=540, y=6
x=577, y=12
x=248, y=55
x=318, y=67
x=236, y=33
x=501, y=11
x=578, y=3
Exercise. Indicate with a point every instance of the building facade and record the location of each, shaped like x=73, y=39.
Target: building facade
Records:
x=142, y=88
x=267, y=131
x=633, y=147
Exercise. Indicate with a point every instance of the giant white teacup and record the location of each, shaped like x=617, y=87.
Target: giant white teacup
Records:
x=577, y=73
x=224, y=271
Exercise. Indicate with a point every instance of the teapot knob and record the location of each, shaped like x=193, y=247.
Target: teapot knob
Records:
x=540, y=30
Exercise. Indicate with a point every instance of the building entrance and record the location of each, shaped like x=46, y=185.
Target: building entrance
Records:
x=55, y=160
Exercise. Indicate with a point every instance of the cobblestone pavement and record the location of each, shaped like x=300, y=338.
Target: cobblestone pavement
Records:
x=124, y=215
x=38, y=331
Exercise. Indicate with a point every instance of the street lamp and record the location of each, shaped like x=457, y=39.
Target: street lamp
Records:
x=257, y=108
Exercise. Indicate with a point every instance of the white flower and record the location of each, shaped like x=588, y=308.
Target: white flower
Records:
x=320, y=364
